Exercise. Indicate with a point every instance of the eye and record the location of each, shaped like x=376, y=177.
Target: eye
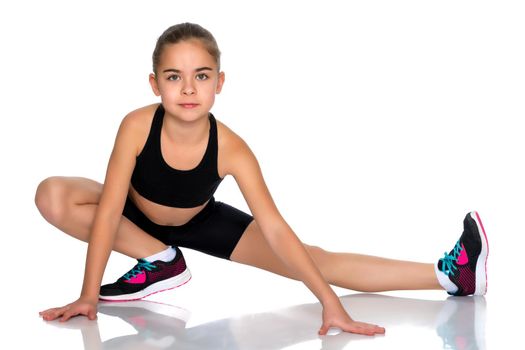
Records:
x=173, y=77
x=201, y=76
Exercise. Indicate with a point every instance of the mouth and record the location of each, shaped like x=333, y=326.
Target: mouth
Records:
x=188, y=105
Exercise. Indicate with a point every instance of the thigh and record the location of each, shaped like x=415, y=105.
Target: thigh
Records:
x=254, y=250
x=84, y=190
x=57, y=197
x=76, y=200
x=70, y=190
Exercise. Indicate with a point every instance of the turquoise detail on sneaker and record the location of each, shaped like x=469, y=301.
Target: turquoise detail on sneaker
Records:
x=449, y=261
x=137, y=269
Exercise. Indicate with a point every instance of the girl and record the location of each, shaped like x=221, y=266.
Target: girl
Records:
x=167, y=162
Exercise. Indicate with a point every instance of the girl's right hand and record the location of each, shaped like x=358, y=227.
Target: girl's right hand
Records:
x=79, y=307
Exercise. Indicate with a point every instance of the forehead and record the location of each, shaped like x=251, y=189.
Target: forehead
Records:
x=187, y=53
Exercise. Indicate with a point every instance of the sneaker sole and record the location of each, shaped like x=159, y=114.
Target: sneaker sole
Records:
x=481, y=265
x=161, y=286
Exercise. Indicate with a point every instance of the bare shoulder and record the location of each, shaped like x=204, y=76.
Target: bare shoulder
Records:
x=233, y=150
x=228, y=139
x=140, y=117
x=135, y=126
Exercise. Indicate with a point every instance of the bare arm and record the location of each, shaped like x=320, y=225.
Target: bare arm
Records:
x=242, y=164
x=105, y=225
x=109, y=210
x=281, y=238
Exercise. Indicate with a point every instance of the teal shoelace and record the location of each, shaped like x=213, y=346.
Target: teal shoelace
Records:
x=448, y=265
x=141, y=266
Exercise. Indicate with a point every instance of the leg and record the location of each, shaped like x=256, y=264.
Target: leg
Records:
x=69, y=203
x=352, y=271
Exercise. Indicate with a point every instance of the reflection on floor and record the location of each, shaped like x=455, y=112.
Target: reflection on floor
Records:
x=458, y=323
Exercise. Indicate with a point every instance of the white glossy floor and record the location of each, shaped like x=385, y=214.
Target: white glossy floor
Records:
x=453, y=323
x=216, y=310
x=413, y=321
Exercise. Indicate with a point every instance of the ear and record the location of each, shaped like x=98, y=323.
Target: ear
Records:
x=154, y=85
x=220, y=82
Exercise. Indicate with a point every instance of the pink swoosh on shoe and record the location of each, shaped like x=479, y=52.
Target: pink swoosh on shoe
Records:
x=463, y=257
x=140, y=278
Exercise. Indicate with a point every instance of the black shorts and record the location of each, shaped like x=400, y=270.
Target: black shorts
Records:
x=215, y=230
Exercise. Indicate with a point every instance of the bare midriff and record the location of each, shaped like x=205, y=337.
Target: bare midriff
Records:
x=161, y=214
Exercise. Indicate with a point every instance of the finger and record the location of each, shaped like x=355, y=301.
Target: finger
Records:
x=92, y=314
x=45, y=315
x=360, y=328
x=369, y=329
x=49, y=311
x=49, y=317
x=324, y=329
x=374, y=328
x=67, y=315
x=51, y=314
x=45, y=311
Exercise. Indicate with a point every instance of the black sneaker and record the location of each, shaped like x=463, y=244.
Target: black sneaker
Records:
x=147, y=278
x=466, y=264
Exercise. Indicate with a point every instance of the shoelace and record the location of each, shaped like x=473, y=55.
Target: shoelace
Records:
x=449, y=260
x=137, y=269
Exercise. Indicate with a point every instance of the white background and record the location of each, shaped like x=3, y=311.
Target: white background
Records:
x=378, y=126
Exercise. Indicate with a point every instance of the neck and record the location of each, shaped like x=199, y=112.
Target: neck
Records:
x=186, y=132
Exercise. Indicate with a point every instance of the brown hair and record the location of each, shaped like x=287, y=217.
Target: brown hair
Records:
x=186, y=31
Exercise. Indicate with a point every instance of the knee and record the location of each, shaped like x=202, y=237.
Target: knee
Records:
x=50, y=199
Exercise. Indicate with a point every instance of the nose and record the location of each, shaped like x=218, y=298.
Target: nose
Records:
x=188, y=89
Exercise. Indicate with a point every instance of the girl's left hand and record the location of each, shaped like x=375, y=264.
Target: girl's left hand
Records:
x=336, y=316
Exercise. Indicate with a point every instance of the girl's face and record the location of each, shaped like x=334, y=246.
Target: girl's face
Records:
x=187, y=80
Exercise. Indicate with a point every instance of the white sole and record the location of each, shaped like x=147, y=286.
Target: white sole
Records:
x=161, y=286
x=481, y=265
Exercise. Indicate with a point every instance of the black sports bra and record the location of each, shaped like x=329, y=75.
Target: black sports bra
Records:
x=158, y=182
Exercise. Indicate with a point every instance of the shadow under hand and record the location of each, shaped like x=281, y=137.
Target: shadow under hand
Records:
x=458, y=321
